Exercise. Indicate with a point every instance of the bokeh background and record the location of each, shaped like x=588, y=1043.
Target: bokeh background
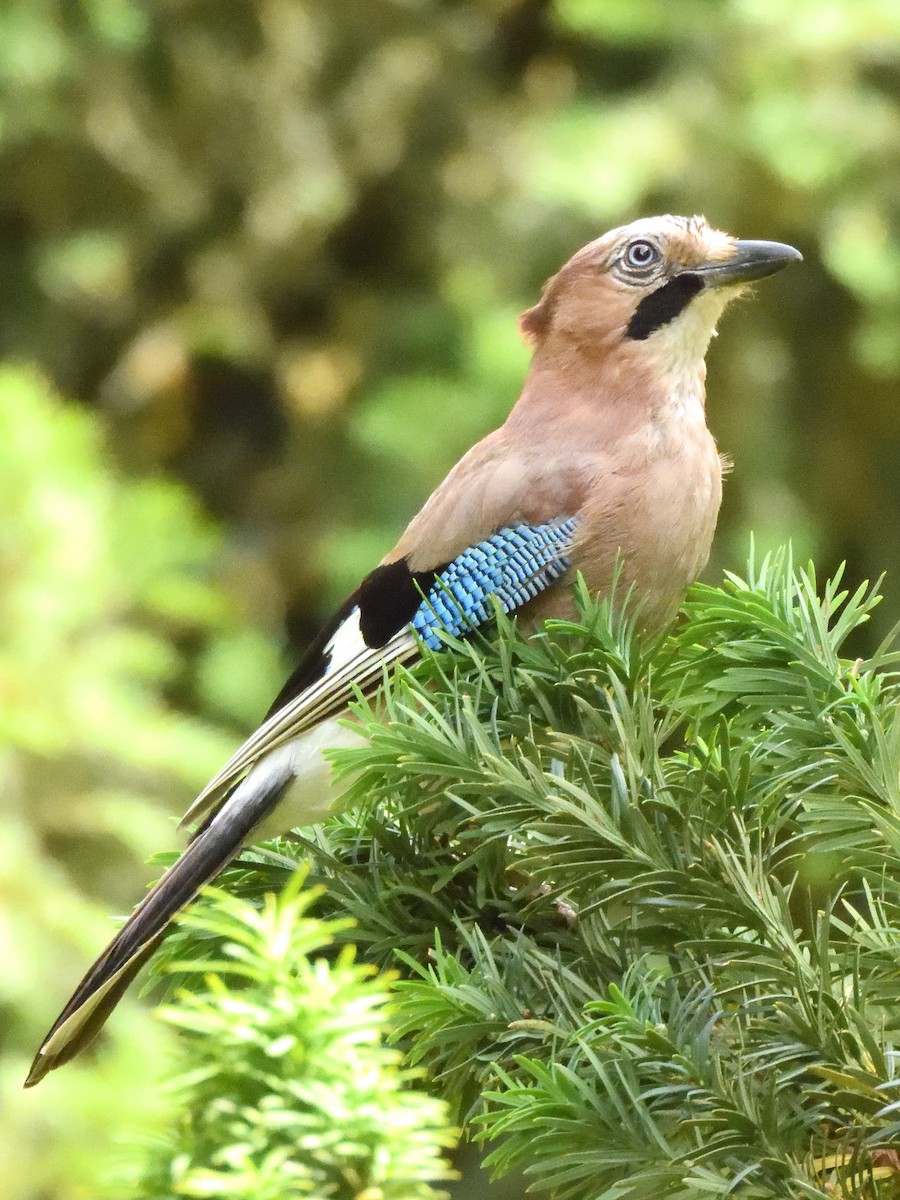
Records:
x=260, y=262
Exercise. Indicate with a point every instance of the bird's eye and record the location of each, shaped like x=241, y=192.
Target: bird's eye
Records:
x=640, y=255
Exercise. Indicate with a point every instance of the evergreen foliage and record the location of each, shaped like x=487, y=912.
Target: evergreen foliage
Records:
x=644, y=893
x=288, y=1088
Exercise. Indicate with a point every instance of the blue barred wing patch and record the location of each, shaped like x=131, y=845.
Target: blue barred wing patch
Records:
x=513, y=565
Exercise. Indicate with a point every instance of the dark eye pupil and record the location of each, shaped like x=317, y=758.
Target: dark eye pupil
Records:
x=640, y=254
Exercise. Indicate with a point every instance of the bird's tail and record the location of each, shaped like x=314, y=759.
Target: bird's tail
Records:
x=212, y=849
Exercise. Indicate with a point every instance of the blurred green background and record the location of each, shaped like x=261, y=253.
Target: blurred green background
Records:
x=259, y=269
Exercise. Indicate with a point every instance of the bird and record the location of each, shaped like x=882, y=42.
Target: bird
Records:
x=605, y=464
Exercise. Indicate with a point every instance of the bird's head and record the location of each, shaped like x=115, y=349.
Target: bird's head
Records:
x=658, y=286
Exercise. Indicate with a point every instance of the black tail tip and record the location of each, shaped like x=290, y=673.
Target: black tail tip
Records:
x=39, y=1068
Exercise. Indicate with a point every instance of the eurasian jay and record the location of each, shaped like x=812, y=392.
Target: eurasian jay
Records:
x=605, y=454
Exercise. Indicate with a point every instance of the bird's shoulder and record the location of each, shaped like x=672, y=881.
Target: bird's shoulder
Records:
x=502, y=481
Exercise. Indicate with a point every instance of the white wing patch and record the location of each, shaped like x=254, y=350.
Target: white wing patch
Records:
x=346, y=644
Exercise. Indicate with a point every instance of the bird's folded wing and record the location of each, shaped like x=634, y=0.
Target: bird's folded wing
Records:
x=383, y=622
x=328, y=696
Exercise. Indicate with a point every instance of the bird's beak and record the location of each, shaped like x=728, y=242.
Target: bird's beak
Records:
x=751, y=260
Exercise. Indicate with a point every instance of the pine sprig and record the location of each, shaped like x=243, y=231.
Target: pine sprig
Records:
x=288, y=1088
